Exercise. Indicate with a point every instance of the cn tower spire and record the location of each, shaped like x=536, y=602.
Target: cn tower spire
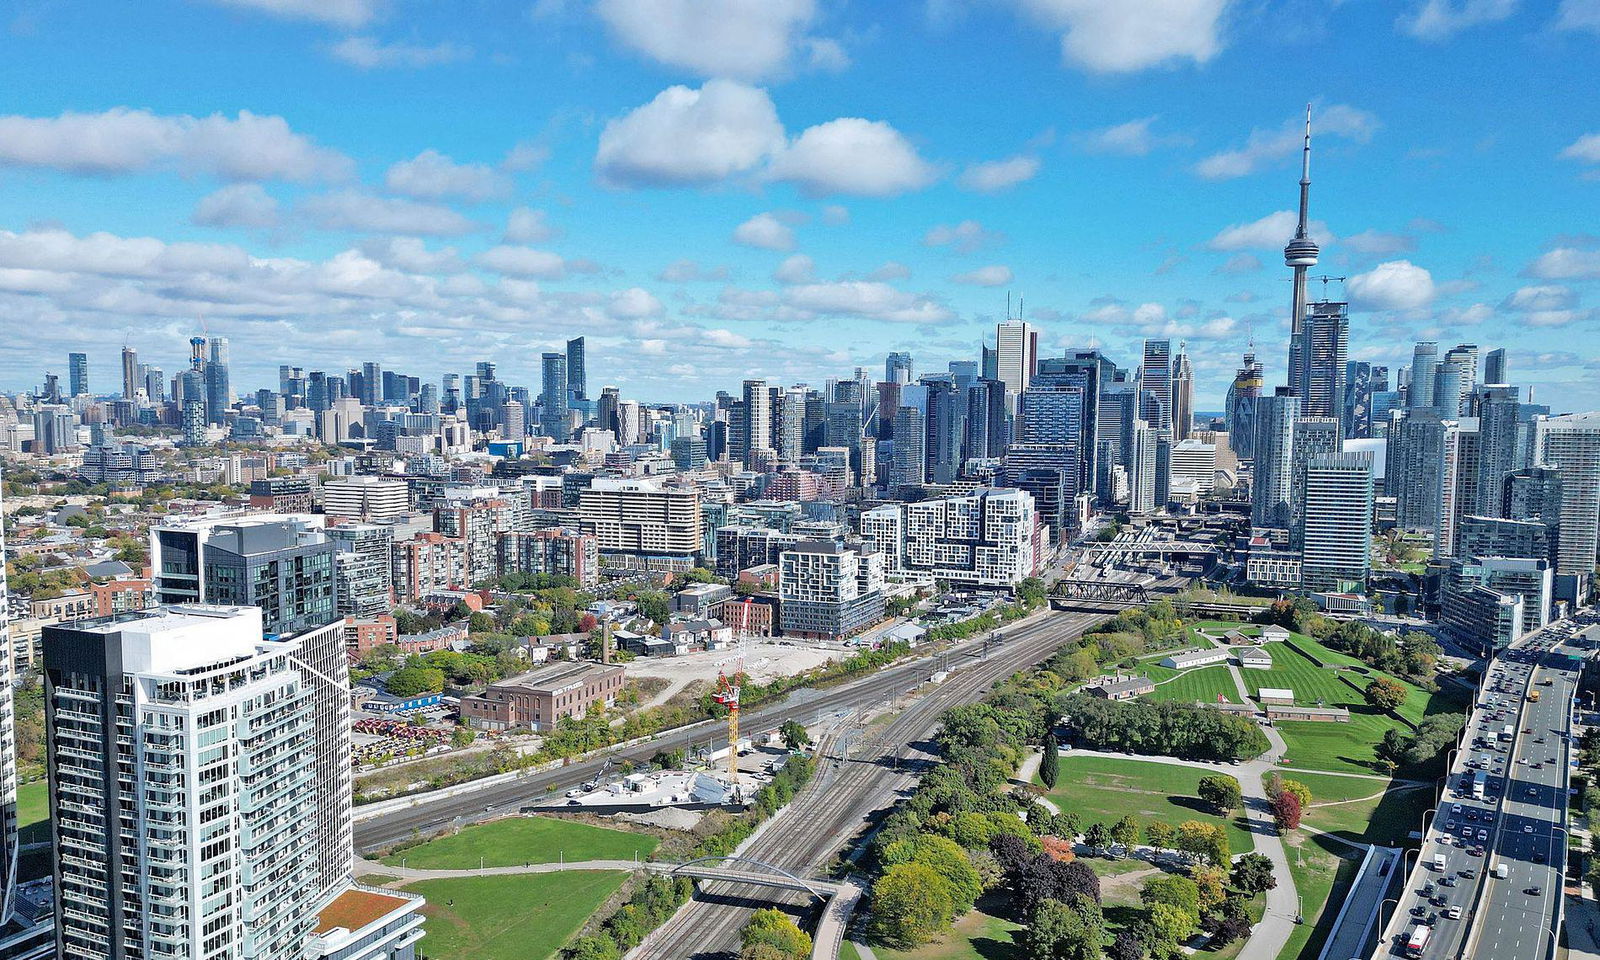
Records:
x=1301, y=253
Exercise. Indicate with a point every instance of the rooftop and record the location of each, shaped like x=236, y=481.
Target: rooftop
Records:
x=356, y=908
x=556, y=675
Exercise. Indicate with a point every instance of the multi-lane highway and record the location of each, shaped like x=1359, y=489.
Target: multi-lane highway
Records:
x=1487, y=882
x=857, y=781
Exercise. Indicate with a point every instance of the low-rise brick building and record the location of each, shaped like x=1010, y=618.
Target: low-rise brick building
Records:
x=537, y=700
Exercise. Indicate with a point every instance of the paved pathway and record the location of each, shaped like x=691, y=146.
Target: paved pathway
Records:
x=1269, y=936
x=406, y=875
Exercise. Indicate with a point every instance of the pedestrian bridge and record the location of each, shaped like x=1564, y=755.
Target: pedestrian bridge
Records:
x=764, y=875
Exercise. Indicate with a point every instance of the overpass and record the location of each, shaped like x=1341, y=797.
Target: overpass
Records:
x=1080, y=594
x=1496, y=846
x=1149, y=548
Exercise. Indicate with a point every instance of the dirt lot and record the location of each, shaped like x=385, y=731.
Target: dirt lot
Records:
x=761, y=660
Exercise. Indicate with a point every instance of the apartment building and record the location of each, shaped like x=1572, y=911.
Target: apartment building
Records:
x=986, y=538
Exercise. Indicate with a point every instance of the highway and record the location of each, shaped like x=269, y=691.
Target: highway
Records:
x=1515, y=743
x=852, y=785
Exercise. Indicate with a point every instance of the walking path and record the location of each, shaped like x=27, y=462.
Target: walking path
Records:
x=405, y=875
x=1269, y=936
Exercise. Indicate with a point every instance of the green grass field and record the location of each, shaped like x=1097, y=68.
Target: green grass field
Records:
x=1104, y=789
x=518, y=840
x=1311, y=684
x=1318, y=872
x=979, y=935
x=33, y=812
x=1187, y=686
x=1385, y=819
x=523, y=917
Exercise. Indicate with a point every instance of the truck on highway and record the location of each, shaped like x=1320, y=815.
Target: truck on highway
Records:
x=1438, y=862
x=1418, y=941
x=1480, y=782
x=1533, y=696
x=1501, y=871
x=1506, y=733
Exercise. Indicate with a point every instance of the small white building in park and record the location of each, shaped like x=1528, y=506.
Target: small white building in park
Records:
x=1187, y=659
x=1274, y=633
x=1253, y=658
x=1279, y=696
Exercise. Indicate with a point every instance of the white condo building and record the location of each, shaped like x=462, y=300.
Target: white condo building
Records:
x=985, y=538
x=372, y=499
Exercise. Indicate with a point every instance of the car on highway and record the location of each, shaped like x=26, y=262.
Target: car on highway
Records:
x=1535, y=891
x=1483, y=835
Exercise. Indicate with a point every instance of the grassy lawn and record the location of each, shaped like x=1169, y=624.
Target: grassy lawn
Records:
x=1187, y=686
x=1309, y=682
x=1104, y=789
x=33, y=812
x=1386, y=819
x=1340, y=747
x=525, y=917
x=848, y=951
x=1318, y=872
x=518, y=840
x=980, y=935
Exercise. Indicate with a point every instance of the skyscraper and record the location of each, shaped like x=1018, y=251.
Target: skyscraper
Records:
x=907, y=465
x=1313, y=437
x=945, y=425
x=1243, y=394
x=897, y=367
x=1414, y=459
x=1155, y=384
x=1274, y=452
x=577, y=374
x=1016, y=356
x=1300, y=254
x=78, y=373
x=1458, y=481
x=8, y=751
x=130, y=373
x=1499, y=422
x=1570, y=445
x=553, y=397
x=1142, y=469
x=1182, y=395
x=1424, y=363
x=1494, y=366
x=757, y=400
x=371, y=383
x=182, y=770
x=1318, y=377
x=1336, y=532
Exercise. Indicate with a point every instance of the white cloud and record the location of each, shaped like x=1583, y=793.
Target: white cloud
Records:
x=853, y=156
x=530, y=263
x=412, y=255
x=835, y=215
x=1270, y=232
x=1283, y=144
x=995, y=176
x=1377, y=243
x=689, y=271
x=827, y=55
x=634, y=303
x=370, y=54
x=1565, y=263
x=995, y=275
x=1543, y=297
x=352, y=210
x=105, y=254
x=1585, y=149
x=525, y=156
x=741, y=39
x=691, y=137
x=1132, y=139
x=340, y=13
x=1240, y=263
x=893, y=270
x=766, y=232
x=798, y=268
x=1443, y=19
x=237, y=205
x=431, y=175
x=527, y=226
x=1394, y=285
x=120, y=140
x=1578, y=15
x=966, y=236
x=862, y=298
x=1116, y=36
x=725, y=338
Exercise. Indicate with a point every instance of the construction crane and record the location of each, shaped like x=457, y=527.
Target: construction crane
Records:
x=728, y=695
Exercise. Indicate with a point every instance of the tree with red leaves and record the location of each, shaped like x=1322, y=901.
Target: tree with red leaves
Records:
x=1286, y=811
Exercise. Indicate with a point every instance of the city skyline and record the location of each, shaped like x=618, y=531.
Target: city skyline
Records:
x=354, y=224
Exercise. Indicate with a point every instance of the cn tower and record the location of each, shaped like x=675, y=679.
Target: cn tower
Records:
x=1302, y=251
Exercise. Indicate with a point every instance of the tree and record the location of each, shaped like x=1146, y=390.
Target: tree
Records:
x=1229, y=930
x=1064, y=931
x=794, y=735
x=1171, y=925
x=654, y=604
x=480, y=622
x=1221, y=791
x=1050, y=762
x=1125, y=832
x=412, y=681
x=1286, y=811
x=1173, y=890
x=774, y=930
x=1301, y=791
x=593, y=948
x=1010, y=851
x=1098, y=836
x=463, y=736
x=1385, y=694
x=1127, y=946
x=946, y=858
x=1160, y=834
x=910, y=904
x=1212, y=885
x=1206, y=841
x=1252, y=873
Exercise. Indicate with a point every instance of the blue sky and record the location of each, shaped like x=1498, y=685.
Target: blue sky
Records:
x=717, y=189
